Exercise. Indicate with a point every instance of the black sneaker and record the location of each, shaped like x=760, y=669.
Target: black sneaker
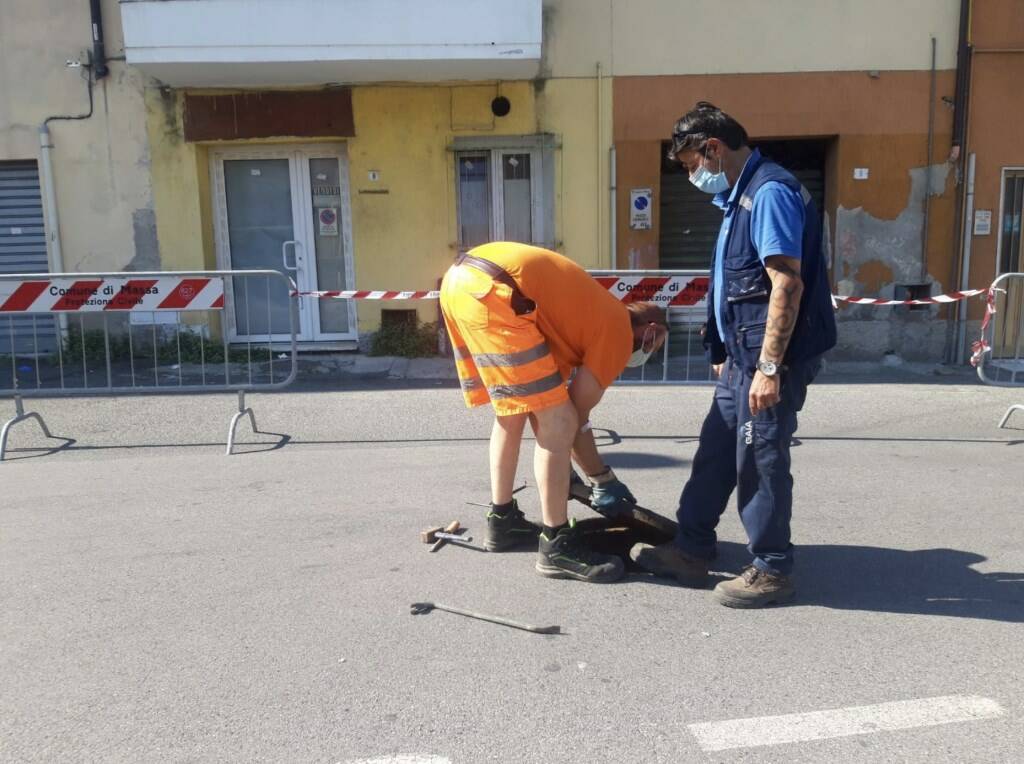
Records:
x=566, y=556
x=509, y=530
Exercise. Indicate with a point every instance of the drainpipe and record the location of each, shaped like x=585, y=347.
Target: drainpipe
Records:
x=613, y=227
x=928, y=171
x=99, y=54
x=965, y=272
x=599, y=229
x=957, y=157
x=45, y=147
x=46, y=162
x=94, y=69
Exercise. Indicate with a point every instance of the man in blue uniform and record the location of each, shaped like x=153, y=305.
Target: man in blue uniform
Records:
x=770, y=319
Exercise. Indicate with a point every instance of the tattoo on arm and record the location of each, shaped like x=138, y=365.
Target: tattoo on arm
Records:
x=783, y=305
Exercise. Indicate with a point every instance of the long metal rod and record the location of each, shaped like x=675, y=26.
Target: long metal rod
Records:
x=156, y=356
x=85, y=363
x=106, y=347
x=35, y=348
x=131, y=351
x=14, y=357
x=60, y=352
x=420, y=608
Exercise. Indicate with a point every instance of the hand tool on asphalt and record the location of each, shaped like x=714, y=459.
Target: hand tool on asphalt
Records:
x=431, y=535
x=581, y=490
x=421, y=608
x=451, y=528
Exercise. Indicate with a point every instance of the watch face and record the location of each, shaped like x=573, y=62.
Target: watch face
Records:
x=768, y=367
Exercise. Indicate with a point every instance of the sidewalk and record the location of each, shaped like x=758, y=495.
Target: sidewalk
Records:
x=364, y=368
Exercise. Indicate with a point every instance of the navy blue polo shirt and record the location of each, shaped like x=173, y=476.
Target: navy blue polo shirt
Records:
x=776, y=226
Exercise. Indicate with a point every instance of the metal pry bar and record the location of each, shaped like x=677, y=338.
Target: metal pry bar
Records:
x=421, y=608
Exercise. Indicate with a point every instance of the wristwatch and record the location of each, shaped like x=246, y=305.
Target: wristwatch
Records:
x=769, y=368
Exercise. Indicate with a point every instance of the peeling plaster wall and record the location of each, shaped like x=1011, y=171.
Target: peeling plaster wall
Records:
x=873, y=256
x=101, y=165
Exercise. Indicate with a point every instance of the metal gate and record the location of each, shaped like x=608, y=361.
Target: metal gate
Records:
x=684, y=295
x=999, y=354
x=23, y=250
x=147, y=332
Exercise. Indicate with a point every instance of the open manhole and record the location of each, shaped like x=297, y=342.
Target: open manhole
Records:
x=617, y=535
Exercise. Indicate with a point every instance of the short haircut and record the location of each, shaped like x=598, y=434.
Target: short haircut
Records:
x=643, y=313
x=704, y=121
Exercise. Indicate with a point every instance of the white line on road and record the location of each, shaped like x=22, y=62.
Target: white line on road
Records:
x=840, y=722
x=403, y=759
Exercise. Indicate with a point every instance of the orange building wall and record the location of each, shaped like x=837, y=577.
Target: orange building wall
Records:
x=996, y=118
x=876, y=122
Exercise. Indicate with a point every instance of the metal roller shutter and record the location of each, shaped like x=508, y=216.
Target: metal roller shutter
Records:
x=689, y=222
x=23, y=250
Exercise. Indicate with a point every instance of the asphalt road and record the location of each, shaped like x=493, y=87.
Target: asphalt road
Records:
x=162, y=602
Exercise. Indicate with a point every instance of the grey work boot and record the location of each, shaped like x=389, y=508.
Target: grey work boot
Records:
x=669, y=561
x=509, y=530
x=755, y=588
x=566, y=556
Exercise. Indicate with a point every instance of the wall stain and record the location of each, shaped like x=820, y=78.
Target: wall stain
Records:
x=873, y=256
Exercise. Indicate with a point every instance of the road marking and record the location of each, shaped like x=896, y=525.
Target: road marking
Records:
x=841, y=722
x=413, y=758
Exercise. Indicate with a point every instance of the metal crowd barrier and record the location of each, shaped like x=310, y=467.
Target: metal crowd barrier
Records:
x=684, y=294
x=119, y=333
x=1002, y=363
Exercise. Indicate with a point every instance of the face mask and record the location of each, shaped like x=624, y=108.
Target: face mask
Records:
x=640, y=356
x=710, y=182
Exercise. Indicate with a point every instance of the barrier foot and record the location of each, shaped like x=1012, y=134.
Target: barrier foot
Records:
x=242, y=411
x=1009, y=412
x=19, y=416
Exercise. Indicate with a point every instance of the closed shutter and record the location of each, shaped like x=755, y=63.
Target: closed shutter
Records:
x=23, y=250
x=689, y=222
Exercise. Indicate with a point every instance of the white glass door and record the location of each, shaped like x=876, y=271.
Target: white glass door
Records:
x=286, y=210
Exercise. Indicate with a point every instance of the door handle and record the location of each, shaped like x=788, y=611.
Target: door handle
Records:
x=284, y=254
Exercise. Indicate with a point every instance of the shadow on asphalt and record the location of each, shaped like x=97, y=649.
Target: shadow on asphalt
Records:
x=881, y=580
x=639, y=461
x=621, y=460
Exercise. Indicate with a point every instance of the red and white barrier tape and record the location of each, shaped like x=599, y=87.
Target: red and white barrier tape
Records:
x=980, y=347
x=676, y=291
x=939, y=299
x=671, y=291
x=361, y=294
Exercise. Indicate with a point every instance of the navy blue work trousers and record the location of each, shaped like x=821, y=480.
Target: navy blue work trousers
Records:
x=751, y=455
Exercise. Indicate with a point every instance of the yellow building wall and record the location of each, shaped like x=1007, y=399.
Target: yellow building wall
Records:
x=100, y=164
x=404, y=225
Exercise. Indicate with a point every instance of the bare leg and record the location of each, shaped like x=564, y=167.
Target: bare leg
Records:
x=584, y=450
x=506, y=437
x=555, y=429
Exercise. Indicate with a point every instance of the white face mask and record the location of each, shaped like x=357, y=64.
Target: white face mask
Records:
x=639, y=356
x=710, y=182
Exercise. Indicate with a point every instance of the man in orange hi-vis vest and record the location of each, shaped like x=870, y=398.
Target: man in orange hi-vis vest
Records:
x=539, y=339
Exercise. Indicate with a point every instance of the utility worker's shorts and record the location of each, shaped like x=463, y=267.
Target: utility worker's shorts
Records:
x=501, y=357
